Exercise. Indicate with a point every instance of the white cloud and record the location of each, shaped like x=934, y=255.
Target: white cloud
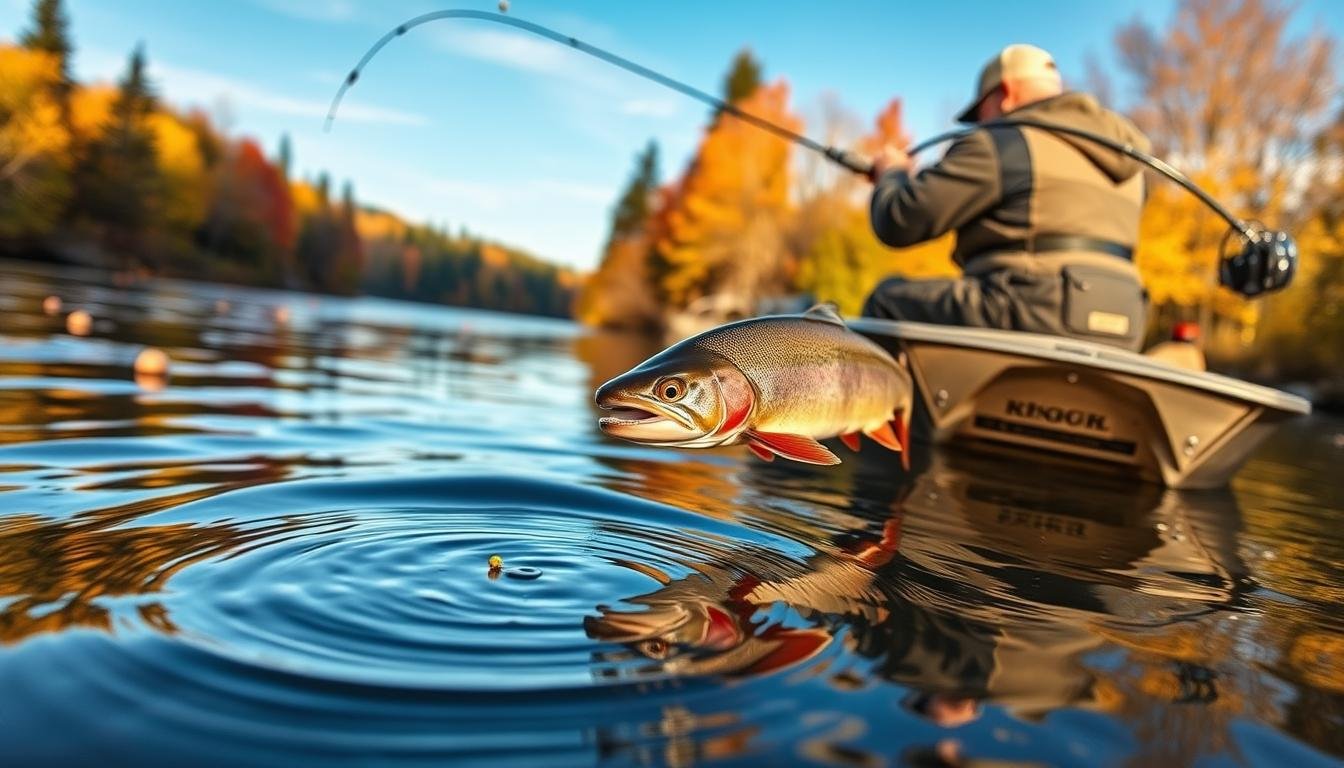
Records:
x=650, y=107
x=312, y=10
x=182, y=85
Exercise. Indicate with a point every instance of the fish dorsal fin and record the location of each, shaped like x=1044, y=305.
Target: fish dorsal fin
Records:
x=824, y=312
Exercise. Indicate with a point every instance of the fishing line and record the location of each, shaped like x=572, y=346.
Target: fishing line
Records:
x=1267, y=261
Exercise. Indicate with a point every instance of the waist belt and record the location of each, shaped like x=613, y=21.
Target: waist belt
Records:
x=1049, y=243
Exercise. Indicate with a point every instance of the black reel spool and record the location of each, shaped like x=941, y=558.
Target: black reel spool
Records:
x=1266, y=261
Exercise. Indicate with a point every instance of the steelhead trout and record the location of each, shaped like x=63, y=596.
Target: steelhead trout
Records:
x=777, y=383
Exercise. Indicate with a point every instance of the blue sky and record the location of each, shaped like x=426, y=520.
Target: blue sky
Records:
x=528, y=142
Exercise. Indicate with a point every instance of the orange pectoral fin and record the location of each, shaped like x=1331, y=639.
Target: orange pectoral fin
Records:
x=796, y=447
x=902, y=425
x=851, y=440
x=761, y=451
x=889, y=438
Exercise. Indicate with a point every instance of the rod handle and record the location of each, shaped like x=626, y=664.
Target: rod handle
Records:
x=853, y=161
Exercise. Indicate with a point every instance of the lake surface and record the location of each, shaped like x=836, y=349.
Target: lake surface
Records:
x=279, y=556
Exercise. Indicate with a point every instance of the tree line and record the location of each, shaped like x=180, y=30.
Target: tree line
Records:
x=1224, y=90
x=110, y=175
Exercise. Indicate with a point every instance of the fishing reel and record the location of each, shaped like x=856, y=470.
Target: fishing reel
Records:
x=1263, y=261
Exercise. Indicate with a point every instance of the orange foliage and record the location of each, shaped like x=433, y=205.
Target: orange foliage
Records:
x=889, y=128
x=723, y=225
x=493, y=256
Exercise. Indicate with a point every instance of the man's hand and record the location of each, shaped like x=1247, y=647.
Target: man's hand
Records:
x=890, y=158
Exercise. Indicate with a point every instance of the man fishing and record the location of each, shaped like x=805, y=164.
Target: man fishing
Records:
x=1046, y=223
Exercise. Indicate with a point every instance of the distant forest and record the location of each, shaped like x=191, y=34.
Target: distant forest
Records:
x=109, y=175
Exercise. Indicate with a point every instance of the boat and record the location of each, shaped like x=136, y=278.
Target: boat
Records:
x=1079, y=402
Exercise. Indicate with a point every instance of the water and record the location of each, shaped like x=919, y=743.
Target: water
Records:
x=282, y=556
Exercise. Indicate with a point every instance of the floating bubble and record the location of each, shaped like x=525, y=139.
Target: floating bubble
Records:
x=79, y=323
x=151, y=362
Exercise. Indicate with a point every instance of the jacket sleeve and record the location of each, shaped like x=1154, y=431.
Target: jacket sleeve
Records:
x=940, y=198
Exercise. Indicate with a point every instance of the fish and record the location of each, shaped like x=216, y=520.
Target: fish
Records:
x=779, y=384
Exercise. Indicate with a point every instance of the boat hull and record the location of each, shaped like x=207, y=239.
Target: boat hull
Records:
x=1073, y=401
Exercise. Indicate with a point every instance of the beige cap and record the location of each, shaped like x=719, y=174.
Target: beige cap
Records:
x=1016, y=62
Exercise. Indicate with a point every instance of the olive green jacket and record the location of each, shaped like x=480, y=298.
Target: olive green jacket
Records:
x=1001, y=185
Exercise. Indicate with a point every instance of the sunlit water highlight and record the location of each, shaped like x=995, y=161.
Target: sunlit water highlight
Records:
x=279, y=555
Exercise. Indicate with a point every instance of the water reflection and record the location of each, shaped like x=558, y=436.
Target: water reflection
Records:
x=283, y=551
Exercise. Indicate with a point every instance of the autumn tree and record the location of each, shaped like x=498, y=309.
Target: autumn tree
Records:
x=725, y=220
x=50, y=34
x=35, y=166
x=1230, y=96
x=619, y=294
x=743, y=78
x=841, y=259
x=119, y=184
x=251, y=218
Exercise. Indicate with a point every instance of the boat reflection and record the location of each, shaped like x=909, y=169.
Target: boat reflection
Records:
x=975, y=589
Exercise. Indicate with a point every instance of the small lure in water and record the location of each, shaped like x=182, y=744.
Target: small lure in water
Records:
x=496, y=562
x=778, y=384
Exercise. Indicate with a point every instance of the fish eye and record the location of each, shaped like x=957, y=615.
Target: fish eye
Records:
x=670, y=390
x=656, y=648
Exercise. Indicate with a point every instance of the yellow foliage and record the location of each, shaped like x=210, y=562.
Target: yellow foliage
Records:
x=34, y=144
x=723, y=229
x=618, y=294
x=371, y=225
x=846, y=260
x=90, y=109
x=1178, y=253
x=306, y=199
x=182, y=170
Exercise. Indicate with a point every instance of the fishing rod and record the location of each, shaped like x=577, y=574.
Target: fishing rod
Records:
x=850, y=160
x=1267, y=260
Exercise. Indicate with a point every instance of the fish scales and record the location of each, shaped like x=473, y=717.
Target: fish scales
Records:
x=809, y=372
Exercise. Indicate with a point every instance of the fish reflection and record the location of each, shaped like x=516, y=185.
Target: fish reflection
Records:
x=973, y=591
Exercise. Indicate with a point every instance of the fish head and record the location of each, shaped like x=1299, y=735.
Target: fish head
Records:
x=667, y=630
x=685, y=396
x=705, y=638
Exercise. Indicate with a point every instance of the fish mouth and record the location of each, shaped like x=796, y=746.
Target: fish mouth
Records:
x=627, y=414
x=643, y=421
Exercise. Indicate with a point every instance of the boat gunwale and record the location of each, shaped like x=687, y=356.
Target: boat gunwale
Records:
x=1078, y=352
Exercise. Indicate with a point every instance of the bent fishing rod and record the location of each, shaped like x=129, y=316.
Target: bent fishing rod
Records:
x=1267, y=260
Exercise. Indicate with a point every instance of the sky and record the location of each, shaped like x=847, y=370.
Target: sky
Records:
x=528, y=142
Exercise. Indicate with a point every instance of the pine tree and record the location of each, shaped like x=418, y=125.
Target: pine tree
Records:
x=633, y=207
x=50, y=34
x=284, y=158
x=743, y=78
x=120, y=181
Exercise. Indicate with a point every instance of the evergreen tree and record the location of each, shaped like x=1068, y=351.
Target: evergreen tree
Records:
x=120, y=177
x=633, y=207
x=50, y=34
x=284, y=158
x=743, y=78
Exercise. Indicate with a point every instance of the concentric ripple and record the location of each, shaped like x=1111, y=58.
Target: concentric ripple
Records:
x=389, y=589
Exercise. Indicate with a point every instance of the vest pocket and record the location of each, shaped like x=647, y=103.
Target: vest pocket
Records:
x=1102, y=302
